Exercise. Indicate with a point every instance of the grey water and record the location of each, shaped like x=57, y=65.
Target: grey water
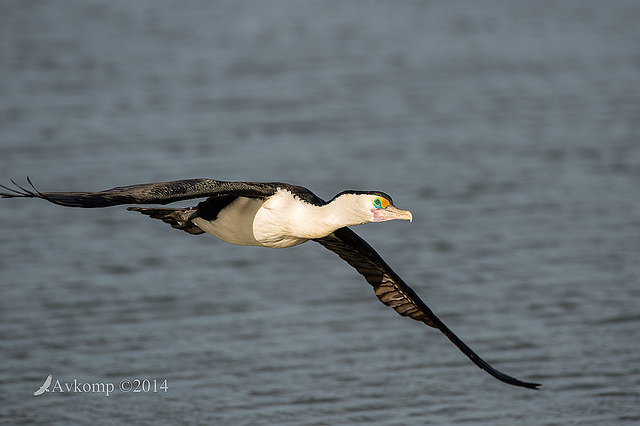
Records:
x=511, y=130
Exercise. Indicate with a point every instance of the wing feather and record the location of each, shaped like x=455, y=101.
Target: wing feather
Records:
x=394, y=292
x=159, y=193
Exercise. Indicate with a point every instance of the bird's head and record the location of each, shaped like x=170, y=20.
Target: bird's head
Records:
x=382, y=208
x=372, y=206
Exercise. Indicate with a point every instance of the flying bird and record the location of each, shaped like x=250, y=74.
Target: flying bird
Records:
x=277, y=215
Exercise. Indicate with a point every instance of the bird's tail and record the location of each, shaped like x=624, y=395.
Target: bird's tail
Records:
x=178, y=218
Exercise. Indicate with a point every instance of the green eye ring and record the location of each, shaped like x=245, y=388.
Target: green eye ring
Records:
x=380, y=203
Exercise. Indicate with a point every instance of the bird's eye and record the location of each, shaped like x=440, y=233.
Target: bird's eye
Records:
x=380, y=203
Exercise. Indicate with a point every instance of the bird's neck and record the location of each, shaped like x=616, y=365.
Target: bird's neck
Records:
x=340, y=212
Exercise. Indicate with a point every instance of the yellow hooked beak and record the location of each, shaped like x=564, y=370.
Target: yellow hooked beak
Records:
x=391, y=212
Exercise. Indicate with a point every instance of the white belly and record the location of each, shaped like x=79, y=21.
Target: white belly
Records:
x=234, y=223
x=246, y=222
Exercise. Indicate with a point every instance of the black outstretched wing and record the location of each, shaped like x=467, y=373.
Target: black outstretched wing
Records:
x=394, y=292
x=160, y=193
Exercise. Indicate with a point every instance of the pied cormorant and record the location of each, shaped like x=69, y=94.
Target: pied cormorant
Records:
x=277, y=215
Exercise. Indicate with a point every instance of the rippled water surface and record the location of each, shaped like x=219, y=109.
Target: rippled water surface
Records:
x=511, y=131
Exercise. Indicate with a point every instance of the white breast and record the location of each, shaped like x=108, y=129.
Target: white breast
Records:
x=281, y=221
x=285, y=221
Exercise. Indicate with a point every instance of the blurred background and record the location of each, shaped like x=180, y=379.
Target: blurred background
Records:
x=511, y=130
